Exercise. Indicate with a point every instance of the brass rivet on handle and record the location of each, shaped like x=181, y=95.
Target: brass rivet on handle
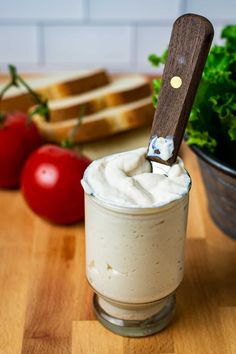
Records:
x=176, y=82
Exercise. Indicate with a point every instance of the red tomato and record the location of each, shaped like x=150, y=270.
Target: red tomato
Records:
x=18, y=138
x=51, y=184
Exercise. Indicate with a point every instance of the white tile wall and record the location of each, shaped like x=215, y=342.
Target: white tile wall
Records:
x=151, y=39
x=41, y=9
x=95, y=45
x=136, y=10
x=213, y=9
x=18, y=43
x=117, y=34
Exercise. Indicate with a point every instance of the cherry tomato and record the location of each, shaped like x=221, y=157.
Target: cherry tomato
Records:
x=18, y=138
x=51, y=184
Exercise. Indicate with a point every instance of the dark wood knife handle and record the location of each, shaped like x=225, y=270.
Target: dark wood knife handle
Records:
x=189, y=45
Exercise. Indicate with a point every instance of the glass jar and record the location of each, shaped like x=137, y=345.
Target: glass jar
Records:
x=134, y=263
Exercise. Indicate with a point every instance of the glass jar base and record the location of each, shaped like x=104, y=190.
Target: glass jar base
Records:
x=136, y=328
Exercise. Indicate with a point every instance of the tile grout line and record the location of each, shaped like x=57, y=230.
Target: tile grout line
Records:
x=134, y=47
x=183, y=7
x=101, y=23
x=86, y=10
x=41, y=44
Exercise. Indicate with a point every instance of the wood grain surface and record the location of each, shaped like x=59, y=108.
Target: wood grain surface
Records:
x=189, y=45
x=45, y=301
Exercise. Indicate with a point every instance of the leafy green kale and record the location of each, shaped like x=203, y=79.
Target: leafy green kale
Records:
x=212, y=122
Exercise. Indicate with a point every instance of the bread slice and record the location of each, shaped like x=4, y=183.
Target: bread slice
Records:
x=120, y=91
x=54, y=86
x=99, y=125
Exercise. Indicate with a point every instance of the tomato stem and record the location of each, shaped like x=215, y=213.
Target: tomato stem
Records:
x=16, y=80
x=2, y=119
x=70, y=141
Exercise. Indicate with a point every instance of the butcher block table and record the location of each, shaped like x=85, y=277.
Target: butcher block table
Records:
x=46, y=303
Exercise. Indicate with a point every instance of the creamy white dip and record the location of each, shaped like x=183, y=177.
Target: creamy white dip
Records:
x=161, y=147
x=129, y=179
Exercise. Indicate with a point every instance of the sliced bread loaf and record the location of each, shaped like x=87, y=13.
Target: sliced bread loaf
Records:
x=54, y=86
x=120, y=91
x=99, y=125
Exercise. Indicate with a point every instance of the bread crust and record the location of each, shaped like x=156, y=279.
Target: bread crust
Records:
x=75, y=86
x=22, y=101
x=100, y=125
x=98, y=102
